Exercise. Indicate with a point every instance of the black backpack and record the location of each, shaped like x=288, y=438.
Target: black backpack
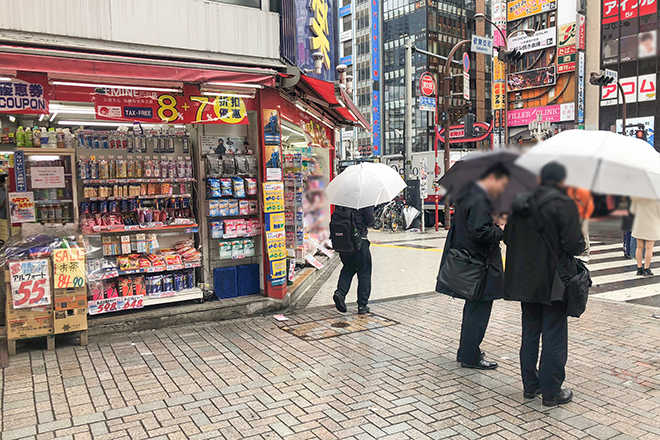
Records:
x=343, y=231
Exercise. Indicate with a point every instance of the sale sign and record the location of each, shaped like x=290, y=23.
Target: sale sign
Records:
x=69, y=265
x=30, y=284
x=21, y=207
x=189, y=107
x=115, y=304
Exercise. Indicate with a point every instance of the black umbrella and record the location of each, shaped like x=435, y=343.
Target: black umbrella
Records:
x=473, y=166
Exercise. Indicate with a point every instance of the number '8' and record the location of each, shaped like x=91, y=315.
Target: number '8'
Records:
x=167, y=104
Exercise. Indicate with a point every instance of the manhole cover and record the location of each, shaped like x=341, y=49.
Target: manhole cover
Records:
x=328, y=328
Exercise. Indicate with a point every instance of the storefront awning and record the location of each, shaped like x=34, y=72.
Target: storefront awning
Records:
x=333, y=100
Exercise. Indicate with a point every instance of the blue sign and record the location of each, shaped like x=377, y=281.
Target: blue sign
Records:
x=316, y=31
x=427, y=103
x=482, y=45
x=138, y=112
x=375, y=72
x=19, y=171
x=346, y=60
x=344, y=10
x=466, y=61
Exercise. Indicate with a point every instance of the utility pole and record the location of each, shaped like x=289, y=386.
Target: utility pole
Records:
x=408, y=111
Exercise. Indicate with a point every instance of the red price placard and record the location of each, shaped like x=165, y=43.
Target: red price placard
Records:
x=115, y=304
x=30, y=283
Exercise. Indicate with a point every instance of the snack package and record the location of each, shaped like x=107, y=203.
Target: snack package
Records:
x=228, y=166
x=243, y=207
x=225, y=250
x=251, y=185
x=216, y=229
x=237, y=250
x=248, y=247
x=233, y=207
x=226, y=187
x=213, y=188
x=214, y=208
x=223, y=207
x=252, y=165
x=238, y=186
x=173, y=260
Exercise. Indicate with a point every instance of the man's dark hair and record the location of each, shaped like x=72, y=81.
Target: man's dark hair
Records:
x=498, y=170
x=553, y=174
x=645, y=36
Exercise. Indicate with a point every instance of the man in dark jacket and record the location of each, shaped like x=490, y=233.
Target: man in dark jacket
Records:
x=532, y=277
x=473, y=230
x=356, y=263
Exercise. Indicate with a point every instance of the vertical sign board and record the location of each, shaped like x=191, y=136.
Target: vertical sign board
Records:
x=274, y=232
x=499, y=17
x=19, y=171
x=316, y=31
x=375, y=73
x=466, y=76
x=580, y=91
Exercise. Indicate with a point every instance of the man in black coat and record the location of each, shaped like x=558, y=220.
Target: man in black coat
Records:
x=474, y=230
x=532, y=277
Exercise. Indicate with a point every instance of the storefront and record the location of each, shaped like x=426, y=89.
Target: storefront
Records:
x=170, y=179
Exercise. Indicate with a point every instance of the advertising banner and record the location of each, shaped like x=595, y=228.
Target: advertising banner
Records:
x=581, y=32
x=19, y=171
x=162, y=108
x=68, y=265
x=566, y=48
x=647, y=44
x=316, y=31
x=21, y=207
x=30, y=285
x=17, y=96
x=610, y=11
x=517, y=9
x=540, y=40
x=646, y=87
x=642, y=88
x=530, y=79
x=633, y=124
x=274, y=232
x=551, y=113
x=375, y=74
x=580, y=87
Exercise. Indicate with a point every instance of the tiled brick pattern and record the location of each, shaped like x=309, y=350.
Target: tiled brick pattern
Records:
x=249, y=379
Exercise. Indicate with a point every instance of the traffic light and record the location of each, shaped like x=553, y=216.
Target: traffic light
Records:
x=469, y=124
x=600, y=80
x=510, y=55
x=640, y=133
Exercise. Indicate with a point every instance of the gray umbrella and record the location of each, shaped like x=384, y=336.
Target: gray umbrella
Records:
x=473, y=166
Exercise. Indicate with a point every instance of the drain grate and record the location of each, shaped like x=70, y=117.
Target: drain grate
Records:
x=331, y=327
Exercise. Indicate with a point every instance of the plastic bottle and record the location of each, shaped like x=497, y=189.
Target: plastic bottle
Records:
x=20, y=137
x=44, y=138
x=51, y=213
x=52, y=138
x=36, y=137
x=58, y=213
x=28, y=137
x=59, y=136
x=68, y=138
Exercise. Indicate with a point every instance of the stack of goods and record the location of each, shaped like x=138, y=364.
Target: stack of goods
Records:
x=116, y=213
x=237, y=249
x=134, y=167
x=231, y=187
x=231, y=165
x=153, y=286
x=161, y=139
x=235, y=228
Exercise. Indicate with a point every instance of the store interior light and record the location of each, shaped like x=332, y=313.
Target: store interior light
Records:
x=53, y=116
x=117, y=86
x=5, y=78
x=71, y=109
x=41, y=117
x=309, y=112
x=12, y=118
x=238, y=85
x=112, y=124
x=228, y=95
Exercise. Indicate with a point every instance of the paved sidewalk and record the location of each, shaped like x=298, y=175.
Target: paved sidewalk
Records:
x=398, y=379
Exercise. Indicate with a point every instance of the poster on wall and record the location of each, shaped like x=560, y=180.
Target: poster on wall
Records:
x=517, y=9
x=273, y=148
x=634, y=124
x=17, y=96
x=580, y=87
x=21, y=207
x=647, y=44
x=531, y=79
x=274, y=231
x=225, y=145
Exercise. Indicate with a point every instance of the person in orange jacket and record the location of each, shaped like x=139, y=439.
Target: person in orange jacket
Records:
x=585, y=204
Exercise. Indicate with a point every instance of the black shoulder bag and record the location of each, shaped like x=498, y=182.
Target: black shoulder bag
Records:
x=461, y=273
x=577, y=287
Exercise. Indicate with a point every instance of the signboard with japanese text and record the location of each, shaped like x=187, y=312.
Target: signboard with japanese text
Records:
x=580, y=87
x=47, y=177
x=273, y=197
x=551, y=113
x=482, y=45
x=156, y=107
x=610, y=12
x=581, y=38
x=647, y=123
x=615, y=10
x=499, y=17
x=17, y=96
x=21, y=207
x=68, y=266
x=466, y=85
x=375, y=74
x=30, y=283
x=427, y=104
x=115, y=304
x=610, y=93
x=540, y=40
x=566, y=48
x=517, y=9
x=316, y=31
x=646, y=87
x=276, y=245
x=530, y=79
x=19, y=171
x=427, y=84
x=274, y=232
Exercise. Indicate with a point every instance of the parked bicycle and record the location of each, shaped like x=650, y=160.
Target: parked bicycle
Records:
x=389, y=216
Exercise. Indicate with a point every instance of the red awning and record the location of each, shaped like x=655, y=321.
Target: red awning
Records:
x=58, y=66
x=334, y=99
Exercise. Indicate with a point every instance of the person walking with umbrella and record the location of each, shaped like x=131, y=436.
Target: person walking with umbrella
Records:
x=474, y=232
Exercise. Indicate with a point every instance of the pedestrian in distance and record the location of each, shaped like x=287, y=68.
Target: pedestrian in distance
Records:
x=348, y=230
x=585, y=204
x=626, y=227
x=474, y=230
x=646, y=230
x=543, y=236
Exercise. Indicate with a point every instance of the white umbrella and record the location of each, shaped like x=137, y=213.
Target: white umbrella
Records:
x=365, y=184
x=602, y=161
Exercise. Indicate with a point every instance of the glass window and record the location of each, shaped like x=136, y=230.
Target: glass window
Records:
x=347, y=48
x=347, y=23
x=610, y=43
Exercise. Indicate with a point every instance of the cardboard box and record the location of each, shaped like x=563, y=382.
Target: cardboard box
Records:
x=71, y=320
x=28, y=323
x=73, y=298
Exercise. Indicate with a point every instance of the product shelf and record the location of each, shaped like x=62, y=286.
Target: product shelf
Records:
x=183, y=295
x=52, y=202
x=194, y=227
x=158, y=196
x=114, y=273
x=137, y=180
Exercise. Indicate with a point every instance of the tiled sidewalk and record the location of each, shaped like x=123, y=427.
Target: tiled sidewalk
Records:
x=251, y=379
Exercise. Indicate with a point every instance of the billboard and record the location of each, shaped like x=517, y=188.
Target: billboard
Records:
x=375, y=73
x=551, y=113
x=566, y=48
x=615, y=10
x=531, y=79
x=540, y=40
x=641, y=88
x=316, y=31
x=517, y=9
x=633, y=124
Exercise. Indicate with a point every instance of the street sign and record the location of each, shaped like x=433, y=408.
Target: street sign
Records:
x=427, y=84
x=482, y=45
x=612, y=74
x=466, y=85
x=423, y=176
x=466, y=61
x=427, y=103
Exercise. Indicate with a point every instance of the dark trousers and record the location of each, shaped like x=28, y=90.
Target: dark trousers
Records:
x=358, y=263
x=551, y=322
x=476, y=315
x=627, y=235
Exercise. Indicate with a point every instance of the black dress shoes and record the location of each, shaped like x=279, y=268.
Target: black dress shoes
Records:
x=564, y=396
x=481, y=365
x=533, y=395
x=340, y=302
x=458, y=357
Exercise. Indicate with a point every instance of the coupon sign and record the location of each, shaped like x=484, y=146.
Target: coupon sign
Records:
x=30, y=285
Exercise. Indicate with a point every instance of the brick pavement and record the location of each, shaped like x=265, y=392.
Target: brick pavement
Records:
x=250, y=379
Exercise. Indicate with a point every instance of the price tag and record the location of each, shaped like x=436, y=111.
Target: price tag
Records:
x=30, y=284
x=69, y=265
x=115, y=304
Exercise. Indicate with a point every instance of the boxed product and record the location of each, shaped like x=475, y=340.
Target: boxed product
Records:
x=71, y=320
x=125, y=244
x=70, y=298
x=225, y=250
x=255, y=226
x=251, y=185
x=241, y=228
x=230, y=228
x=216, y=229
x=30, y=322
x=253, y=207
